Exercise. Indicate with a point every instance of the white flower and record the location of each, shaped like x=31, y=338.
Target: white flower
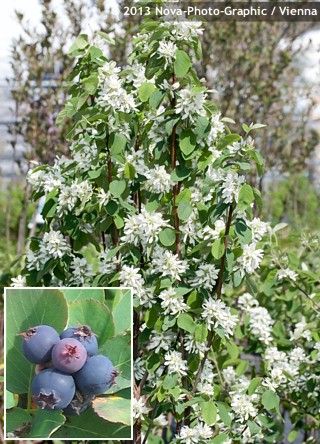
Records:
x=217, y=314
x=161, y=420
x=216, y=128
x=84, y=153
x=54, y=245
x=172, y=303
x=229, y=375
x=18, y=282
x=160, y=340
x=246, y=301
x=190, y=104
x=193, y=346
x=84, y=191
x=258, y=228
x=142, y=228
x=139, y=368
x=67, y=199
x=250, y=259
x=109, y=69
x=286, y=273
x=301, y=331
x=191, y=228
x=108, y=265
x=184, y=30
x=231, y=186
x=243, y=407
x=168, y=264
x=167, y=50
x=139, y=408
x=159, y=181
x=260, y=324
x=210, y=234
x=103, y=197
x=130, y=277
x=196, y=434
x=175, y=363
x=206, y=276
x=137, y=75
x=136, y=159
x=81, y=271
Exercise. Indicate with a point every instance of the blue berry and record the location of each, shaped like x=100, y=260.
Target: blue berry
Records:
x=79, y=404
x=68, y=355
x=96, y=376
x=52, y=390
x=85, y=335
x=38, y=343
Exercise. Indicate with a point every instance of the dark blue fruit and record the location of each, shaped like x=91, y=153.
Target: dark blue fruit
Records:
x=52, y=390
x=79, y=404
x=38, y=343
x=85, y=335
x=96, y=376
x=69, y=355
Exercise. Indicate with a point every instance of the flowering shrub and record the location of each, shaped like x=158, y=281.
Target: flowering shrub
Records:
x=155, y=196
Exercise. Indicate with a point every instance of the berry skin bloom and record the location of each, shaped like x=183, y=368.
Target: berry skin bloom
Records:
x=52, y=390
x=69, y=355
x=85, y=335
x=217, y=314
x=38, y=343
x=175, y=363
x=96, y=376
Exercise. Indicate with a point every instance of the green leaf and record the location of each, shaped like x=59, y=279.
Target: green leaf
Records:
x=79, y=294
x=254, y=384
x=293, y=435
x=118, y=350
x=246, y=196
x=80, y=43
x=117, y=187
x=118, y=144
x=11, y=400
x=91, y=83
x=184, y=210
x=95, y=314
x=113, y=409
x=120, y=384
x=145, y=91
x=201, y=333
x=90, y=425
x=45, y=423
x=121, y=310
x=209, y=412
x=187, y=142
x=17, y=418
x=182, y=63
x=224, y=413
x=186, y=322
x=270, y=400
x=218, y=248
x=27, y=308
x=167, y=237
x=219, y=439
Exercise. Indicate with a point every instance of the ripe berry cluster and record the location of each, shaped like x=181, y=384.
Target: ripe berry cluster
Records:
x=70, y=371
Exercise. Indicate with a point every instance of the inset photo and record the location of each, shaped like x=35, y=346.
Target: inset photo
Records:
x=68, y=363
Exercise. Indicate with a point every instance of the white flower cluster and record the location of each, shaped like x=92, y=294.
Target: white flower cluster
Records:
x=175, y=363
x=167, y=50
x=81, y=271
x=286, y=273
x=53, y=245
x=301, y=331
x=195, y=434
x=205, y=385
x=84, y=153
x=159, y=181
x=168, y=264
x=190, y=104
x=18, y=282
x=230, y=181
x=139, y=408
x=260, y=322
x=142, y=228
x=69, y=196
x=258, y=228
x=184, y=30
x=283, y=366
x=113, y=94
x=250, y=259
x=206, y=276
x=161, y=340
x=218, y=315
x=193, y=346
x=172, y=302
x=243, y=406
x=46, y=179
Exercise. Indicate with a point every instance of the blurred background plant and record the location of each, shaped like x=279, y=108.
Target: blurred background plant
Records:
x=259, y=72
